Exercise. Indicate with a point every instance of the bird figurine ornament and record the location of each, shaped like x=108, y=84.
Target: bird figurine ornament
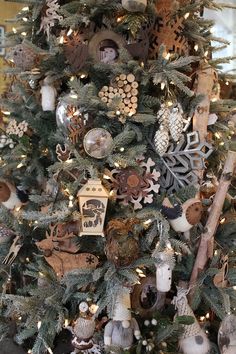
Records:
x=12, y=197
x=183, y=217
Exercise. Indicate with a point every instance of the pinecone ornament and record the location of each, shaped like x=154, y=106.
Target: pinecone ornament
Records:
x=176, y=122
x=161, y=140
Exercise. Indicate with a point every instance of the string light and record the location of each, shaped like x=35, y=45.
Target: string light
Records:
x=147, y=222
x=73, y=95
x=206, y=53
x=61, y=40
x=24, y=34
x=29, y=351
x=196, y=47
x=69, y=32
x=117, y=113
x=222, y=220
x=66, y=323
x=119, y=19
x=106, y=176
x=116, y=164
x=14, y=30
x=26, y=8
x=208, y=315
x=39, y=324
x=163, y=85
x=20, y=165
x=167, y=57
x=122, y=149
x=217, y=135
x=25, y=19
x=72, y=78
x=227, y=83
x=82, y=76
x=186, y=15
x=234, y=287
x=7, y=113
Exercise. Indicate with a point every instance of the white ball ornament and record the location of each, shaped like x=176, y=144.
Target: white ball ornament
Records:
x=154, y=322
x=83, y=306
x=146, y=323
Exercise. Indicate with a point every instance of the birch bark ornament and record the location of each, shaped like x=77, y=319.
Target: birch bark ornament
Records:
x=122, y=329
x=48, y=95
x=93, y=199
x=12, y=197
x=194, y=339
x=227, y=335
x=134, y=5
x=183, y=217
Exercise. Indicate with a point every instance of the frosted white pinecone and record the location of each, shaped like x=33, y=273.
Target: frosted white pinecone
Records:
x=161, y=140
x=163, y=115
x=176, y=123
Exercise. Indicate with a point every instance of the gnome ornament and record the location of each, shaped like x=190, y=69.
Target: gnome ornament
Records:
x=48, y=95
x=183, y=217
x=10, y=196
x=193, y=339
x=83, y=330
x=227, y=335
x=122, y=329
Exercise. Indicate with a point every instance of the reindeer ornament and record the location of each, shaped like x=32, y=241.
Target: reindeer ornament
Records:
x=59, y=252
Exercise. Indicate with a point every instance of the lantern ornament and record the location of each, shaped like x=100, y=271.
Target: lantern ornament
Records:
x=93, y=198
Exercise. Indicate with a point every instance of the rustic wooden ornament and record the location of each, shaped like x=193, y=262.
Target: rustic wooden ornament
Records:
x=93, y=199
x=121, y=95
x=219, y=279
x=104, y=46
x=168, y=31
x=146, y=299
x=133, y=186
x=13, y=251
x=183, y=218
x=63, y=262
x=227, y=335
x=63, y=154
x=122, y=246
x=193, y=340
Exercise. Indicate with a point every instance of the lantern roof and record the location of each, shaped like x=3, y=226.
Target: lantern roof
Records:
x=93, y=188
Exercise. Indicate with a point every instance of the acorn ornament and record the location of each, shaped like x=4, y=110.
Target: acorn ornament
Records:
x=193, y=340
x=12, y=197
x=227, y=335
x=134, y=5
x=122, y=329
x=183, y=217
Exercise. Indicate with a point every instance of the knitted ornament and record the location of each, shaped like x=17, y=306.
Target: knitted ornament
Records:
x=176, y=122
x=161, y=140
x=10, y=196
x=193, y=340
x=227, y=335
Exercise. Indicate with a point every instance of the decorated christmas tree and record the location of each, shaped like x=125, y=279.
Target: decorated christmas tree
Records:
x=118, y=221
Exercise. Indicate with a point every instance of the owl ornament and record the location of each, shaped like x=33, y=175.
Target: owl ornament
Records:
x=193, y=339
x=227, y=335
x=122, y=329
x=183, y=217
x=12, y=197
x=83, y=330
